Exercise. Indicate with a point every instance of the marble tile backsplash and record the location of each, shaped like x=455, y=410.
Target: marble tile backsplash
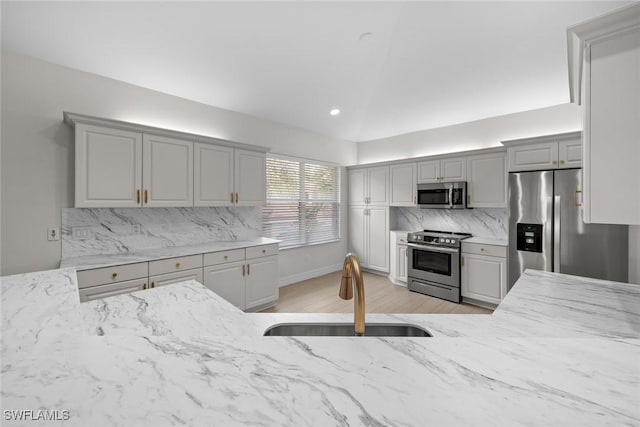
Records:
x=490, y=223
x=119, y=231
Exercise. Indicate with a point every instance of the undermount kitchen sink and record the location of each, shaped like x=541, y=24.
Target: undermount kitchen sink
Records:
x=345, y=330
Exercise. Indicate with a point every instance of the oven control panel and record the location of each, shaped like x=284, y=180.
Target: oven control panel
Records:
x=433, y=240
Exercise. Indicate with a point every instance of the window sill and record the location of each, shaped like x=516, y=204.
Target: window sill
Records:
x=310, y=244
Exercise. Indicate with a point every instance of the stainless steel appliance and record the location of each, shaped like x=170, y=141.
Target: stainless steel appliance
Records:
x=546, y=230
x=434, y=263
x=443, y=195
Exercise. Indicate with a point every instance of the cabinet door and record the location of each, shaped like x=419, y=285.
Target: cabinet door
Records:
x=213, y=175
x=570, y=153
x=454, y=169
x=358, y=233
x=429, y=171
x=487, y=181
x=261, y=282
x=104, y=291
x=612, y=130
x=181, y=276
x=401, y=262
x=484, y=278
x=108, y=167
x=378, y=186
x=543, y=155
x=250, y=178
x=357, y=186
x=403, y=185
x=227, y=280
x=167, y=172
x=378, y=238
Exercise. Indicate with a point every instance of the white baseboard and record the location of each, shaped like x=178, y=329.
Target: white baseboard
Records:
x=295, y=278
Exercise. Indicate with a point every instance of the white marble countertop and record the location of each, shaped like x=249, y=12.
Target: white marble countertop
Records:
x=98, y=261
x=486, y=241
x=559, y=350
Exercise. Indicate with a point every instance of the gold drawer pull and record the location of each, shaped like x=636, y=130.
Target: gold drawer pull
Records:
x=236, y=197
x=231, y=197
x=554, y=162
x=177, y=265
x=264, y=251
x=243, y=270
x=482, y=249
x=248, y=269
x=226, y=257
x=144, y=286
x=138, y=196
x=114, y=275
x=153, y=284
x=146, y=196
x=562, y=162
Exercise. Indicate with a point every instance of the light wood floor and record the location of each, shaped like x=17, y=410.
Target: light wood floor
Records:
x=320, y=295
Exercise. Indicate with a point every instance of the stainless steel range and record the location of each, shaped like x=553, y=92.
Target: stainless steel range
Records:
x=434, y=263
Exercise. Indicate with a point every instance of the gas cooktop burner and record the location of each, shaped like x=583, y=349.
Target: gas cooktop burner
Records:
x=438, y=238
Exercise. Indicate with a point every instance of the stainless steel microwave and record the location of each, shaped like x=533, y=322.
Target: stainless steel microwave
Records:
x=443, y=195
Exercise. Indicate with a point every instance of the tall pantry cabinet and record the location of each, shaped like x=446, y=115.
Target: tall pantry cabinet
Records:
x=369, y=216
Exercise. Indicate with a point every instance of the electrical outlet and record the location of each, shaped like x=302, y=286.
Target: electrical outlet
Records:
x=135, y=228
x=53, y=234
x=420, y=218
x=80, y=233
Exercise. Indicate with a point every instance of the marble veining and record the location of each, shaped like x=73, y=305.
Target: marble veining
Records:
x=181, y=355
x=111, y=231
x=491, y=223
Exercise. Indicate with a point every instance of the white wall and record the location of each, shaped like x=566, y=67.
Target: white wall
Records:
x=37, y=152
x=473, y=135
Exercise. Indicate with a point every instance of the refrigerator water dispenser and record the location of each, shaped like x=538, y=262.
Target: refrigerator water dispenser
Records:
x=529, y=237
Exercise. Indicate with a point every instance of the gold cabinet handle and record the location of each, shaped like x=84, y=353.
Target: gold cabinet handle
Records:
x=576, y=198
x=226, y=257
x=236, y=197
x=264, y=251
x=177, y=265
x=462, y=261
x=144, y=286
x=248, y=269
x=554, y=162
x=138, y=196
x=153, y=284
x=231, y=197
x=482, y=249
x=243, y=270
x=146, y=196
x=562, y=162
x=114, y=275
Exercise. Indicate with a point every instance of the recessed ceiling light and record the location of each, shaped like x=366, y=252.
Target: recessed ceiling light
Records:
x=334, y=112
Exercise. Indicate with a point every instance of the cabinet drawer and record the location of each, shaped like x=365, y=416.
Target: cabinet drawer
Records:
x=104, y=291
x=177, y=277
x=221, y=257
x=107, y=275
x=263, y=250
x=172, y=265
x=482, y=249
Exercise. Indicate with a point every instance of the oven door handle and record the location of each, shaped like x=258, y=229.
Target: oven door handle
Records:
x=434, y=248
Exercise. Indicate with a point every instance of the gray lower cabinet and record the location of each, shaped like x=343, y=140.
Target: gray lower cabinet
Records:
x=113, y=289
x=227, y=280
x=246, y=277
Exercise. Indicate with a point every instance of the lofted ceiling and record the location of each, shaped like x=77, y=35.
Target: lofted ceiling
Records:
x=390, y=67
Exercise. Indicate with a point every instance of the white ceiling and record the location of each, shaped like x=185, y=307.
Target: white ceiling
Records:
x=424, y=65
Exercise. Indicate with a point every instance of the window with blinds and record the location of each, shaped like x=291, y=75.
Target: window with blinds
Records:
x=303, y=202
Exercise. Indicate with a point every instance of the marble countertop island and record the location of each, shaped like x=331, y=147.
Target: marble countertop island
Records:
x=559, y=351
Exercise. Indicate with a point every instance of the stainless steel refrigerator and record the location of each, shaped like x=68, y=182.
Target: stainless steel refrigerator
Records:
x=546, y=230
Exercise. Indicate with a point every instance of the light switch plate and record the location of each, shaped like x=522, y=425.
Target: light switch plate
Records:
x=53, y=234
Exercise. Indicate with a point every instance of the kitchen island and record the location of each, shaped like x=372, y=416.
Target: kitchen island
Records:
x=559, y=350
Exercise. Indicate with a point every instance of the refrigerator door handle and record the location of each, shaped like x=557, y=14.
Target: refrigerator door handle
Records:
x=556, y=234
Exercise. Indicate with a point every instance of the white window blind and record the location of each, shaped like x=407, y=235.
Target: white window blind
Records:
x=303, y=202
